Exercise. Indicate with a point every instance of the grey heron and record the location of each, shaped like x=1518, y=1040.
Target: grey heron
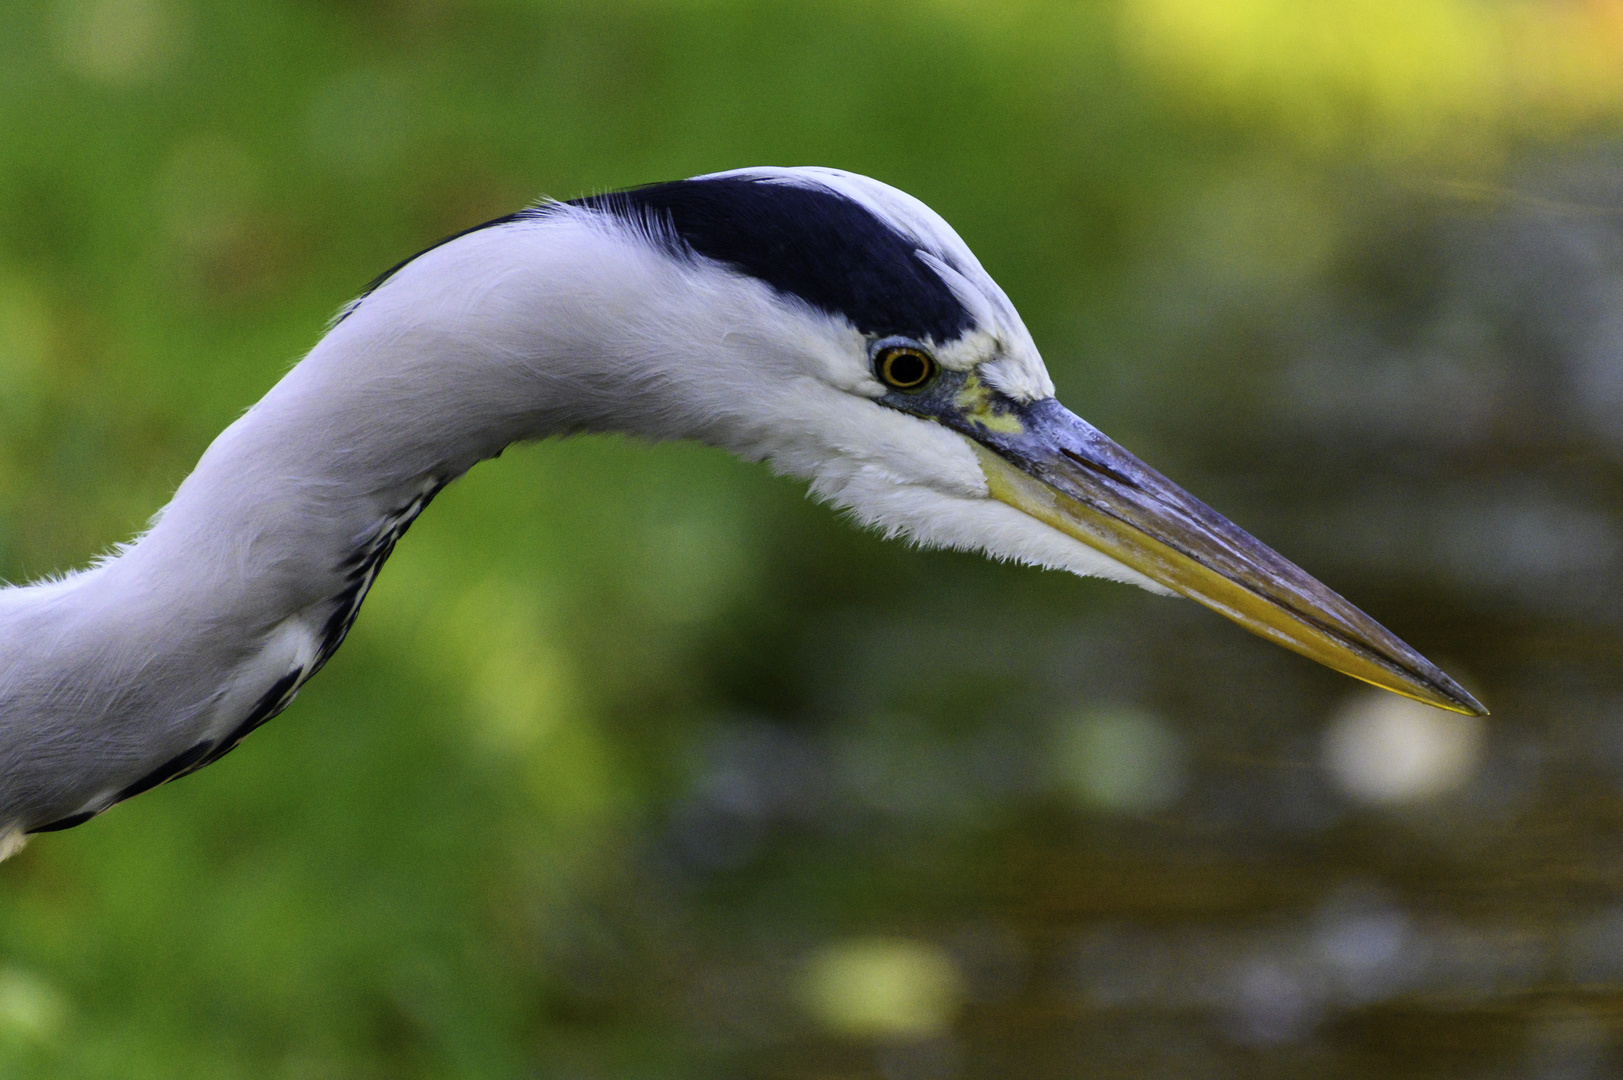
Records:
x=813, y=319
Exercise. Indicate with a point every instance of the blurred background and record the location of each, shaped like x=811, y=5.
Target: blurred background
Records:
x=639, y=764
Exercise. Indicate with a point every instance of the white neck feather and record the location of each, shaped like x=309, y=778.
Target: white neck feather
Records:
x=160, y=657
x=247, y=580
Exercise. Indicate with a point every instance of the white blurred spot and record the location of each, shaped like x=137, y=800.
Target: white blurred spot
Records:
x=1381, y=748
x=1120, y=759
x=1366, y=944
x=116, y=41
x=882, y=988
x=1271, y=1002
x=30, y=1008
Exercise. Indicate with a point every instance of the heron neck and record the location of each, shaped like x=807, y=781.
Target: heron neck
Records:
x=157, y=659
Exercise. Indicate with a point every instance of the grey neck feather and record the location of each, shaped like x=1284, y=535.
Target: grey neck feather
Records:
x=159, y=658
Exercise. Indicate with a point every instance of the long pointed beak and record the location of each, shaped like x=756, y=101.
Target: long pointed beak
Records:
x=1055, y=466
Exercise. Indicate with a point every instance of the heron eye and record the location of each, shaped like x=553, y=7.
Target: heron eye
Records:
x=904, y=368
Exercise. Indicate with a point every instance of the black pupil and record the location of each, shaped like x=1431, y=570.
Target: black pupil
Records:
x=906, y=368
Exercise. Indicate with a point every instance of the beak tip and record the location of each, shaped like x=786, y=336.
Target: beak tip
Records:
x=1458, y=699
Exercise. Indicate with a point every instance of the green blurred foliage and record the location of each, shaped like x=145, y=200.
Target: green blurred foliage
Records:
x=454, y=856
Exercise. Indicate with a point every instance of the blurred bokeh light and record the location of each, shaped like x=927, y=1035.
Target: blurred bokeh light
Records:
x=882, y=988
x=1387, y=749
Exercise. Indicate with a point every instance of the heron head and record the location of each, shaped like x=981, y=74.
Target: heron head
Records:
x=896, y=376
